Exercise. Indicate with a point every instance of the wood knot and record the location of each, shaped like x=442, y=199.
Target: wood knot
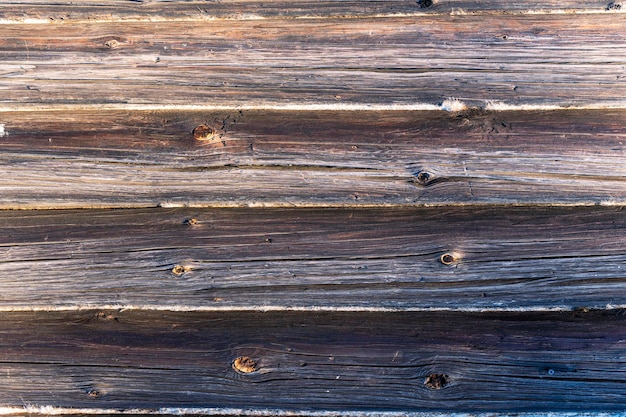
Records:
x=203, y=132
x=179, y=270
x=448, y=258
x=112, y=44
x=244, y=365
x=190, y=222
x=101, y=315
x=424, y=178
x=93, y=393
x=436, y=381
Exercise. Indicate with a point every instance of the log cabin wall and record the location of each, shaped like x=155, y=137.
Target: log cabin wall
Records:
x=313, y=208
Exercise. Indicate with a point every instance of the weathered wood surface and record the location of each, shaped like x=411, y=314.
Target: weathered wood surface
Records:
x=311, y=224
x=260, y=158
x=63, y=11
x=516, y=258
x=561, y=59
x=316, y=361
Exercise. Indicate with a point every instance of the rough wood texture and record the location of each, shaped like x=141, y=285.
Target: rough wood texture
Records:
x=156, y=10
x=312, y=208
x=528, y=59
x=515, y=258
x=316, y=361
x=125, y=10
x=146, y=159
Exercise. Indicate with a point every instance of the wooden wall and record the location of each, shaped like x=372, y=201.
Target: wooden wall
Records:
x=313, y=208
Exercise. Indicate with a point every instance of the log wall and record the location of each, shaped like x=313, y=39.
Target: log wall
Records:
x=313, y=208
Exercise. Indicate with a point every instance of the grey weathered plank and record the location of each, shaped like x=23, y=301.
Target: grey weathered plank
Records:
x=315, y=361
x=538, y=60
x=303, y=259
x=144, y=159
x=64, y=11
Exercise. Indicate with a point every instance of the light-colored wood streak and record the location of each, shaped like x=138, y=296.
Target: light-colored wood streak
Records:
x=530, y=59
x=283, y=159
x=528, y=259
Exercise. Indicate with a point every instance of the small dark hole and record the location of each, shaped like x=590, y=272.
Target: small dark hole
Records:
x=425, y=3
x=447, y=259
x=423, y=178
x=436, y=381
x=93, y=393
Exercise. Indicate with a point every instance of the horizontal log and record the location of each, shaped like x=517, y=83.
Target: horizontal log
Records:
x=336, y=362
x=280, y=159
x=471, y=259
x=96, y=10
x=536, y=60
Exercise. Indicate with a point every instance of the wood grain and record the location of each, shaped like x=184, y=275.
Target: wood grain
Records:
x=337, y=362
x=113, y=159
x=64, y=11
x=561, y=60
x=303, y=259
x=312, y=208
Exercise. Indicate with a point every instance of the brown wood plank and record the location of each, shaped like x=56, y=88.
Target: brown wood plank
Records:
x=321, y=238
x=337, y=362
x=559, y=59
x=64, y=11
x=262, y=158
x=248, y=259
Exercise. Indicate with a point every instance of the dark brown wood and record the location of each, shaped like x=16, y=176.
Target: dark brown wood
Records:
x=495, y=259
x=571, y=361
x=561, y=59
x=283, y=159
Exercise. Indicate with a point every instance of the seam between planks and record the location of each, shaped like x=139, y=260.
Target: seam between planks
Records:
x=49, y=410
x=298, y=309
x=451, y=105
x=304, y=205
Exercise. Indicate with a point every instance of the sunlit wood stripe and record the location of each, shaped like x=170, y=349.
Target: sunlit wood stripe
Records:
x=525, y=60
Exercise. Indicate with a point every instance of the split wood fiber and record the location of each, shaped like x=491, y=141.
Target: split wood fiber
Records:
x=311, y=259
x=560, y=59
x=112, y=159
x=316, y=361
x=33, y=11
x=295, y=208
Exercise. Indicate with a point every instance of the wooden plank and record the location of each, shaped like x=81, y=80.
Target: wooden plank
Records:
x=535, y=60
x=466, y=261
x=338, y=362
x=472, y=259
x=263, y=158
x=64, y=11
